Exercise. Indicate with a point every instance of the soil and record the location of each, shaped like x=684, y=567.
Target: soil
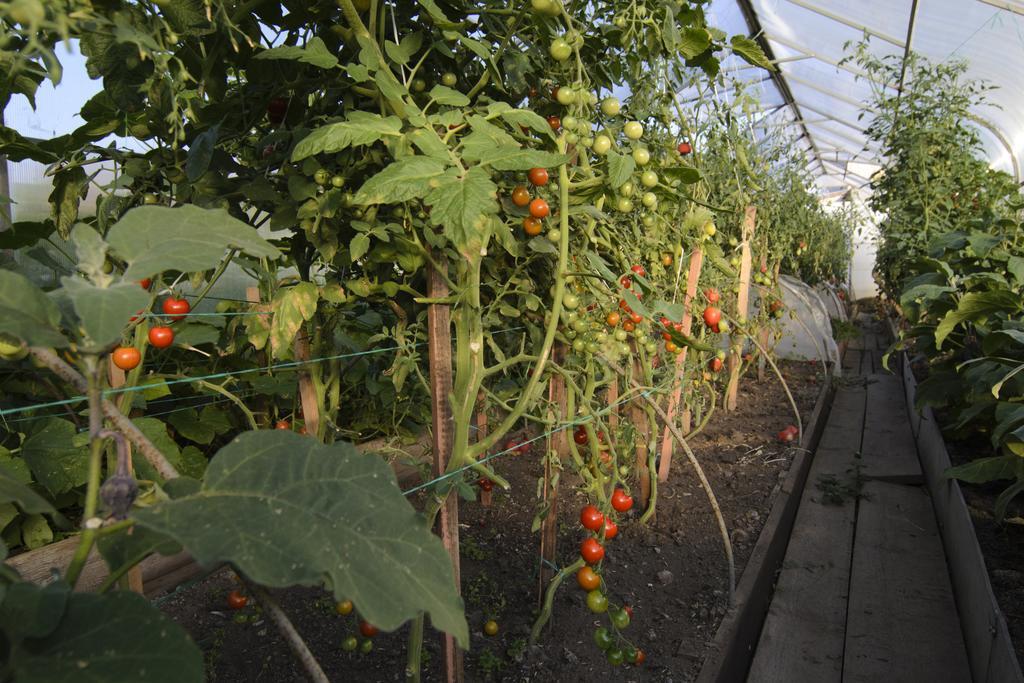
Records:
x=1001, y=544
x=672, y=573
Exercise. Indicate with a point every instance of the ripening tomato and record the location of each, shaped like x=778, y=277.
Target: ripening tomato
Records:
x=670, y=346
x=613, y=319
x=282, y=424
x=639, y=657
x=591, y=518
x=597, y=602
x=344, y=607
x=580, y=436
x=532, y=226
x=629, y=326
x=712, y=295
x=712, y=316
x=520, y=196
x=636, y=318
x=175, y=308
x=611, y=529
x=591, y=551
x=684, y=148
x=554, y=122
x=715, y=365
x=126, y=357
x=161, y=337
x=368, y=629
x=628, y=610
x=588, y=579
x=236, y=600
x=538, y=176
x=667, y=260
x=539, y=208
x=621, y=500
x=491, y=627
x=485, y=484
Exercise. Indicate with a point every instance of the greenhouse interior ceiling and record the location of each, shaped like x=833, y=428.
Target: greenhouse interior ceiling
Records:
x=820, y=95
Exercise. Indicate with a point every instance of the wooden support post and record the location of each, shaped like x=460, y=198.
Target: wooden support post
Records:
x=763, y=334
x=439, y=346
x=667, y=442
x=116, y=377
x=559, y=445
x=611, y=396
x=486, y=496
x=307, y=392
x=643, y=440
x=742, y=299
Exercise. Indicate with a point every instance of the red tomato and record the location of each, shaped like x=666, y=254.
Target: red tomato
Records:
x=485, y=484
x=613, y=319
x=611, y=529
x=126, y=357
x=715, y=365
x=629, y=326
x=621, y=501
x=591, y=551
x=276, y=109
x=145, y=283
x=554, y=122
x=236, y=600
x=161, y=337
x=628, y=610
x=624, y=306
x=665, y=322
x=712, y=295
x=520, y=196
x=532, y=226
x=636, y=318
x=175, y=308
x=539, y=208
x=580, y=436
x=684, y=148
x=538, y=176
x=639, y=270
x=626, y=281
x=712, y=316
x=368, y=629
x=591, y=518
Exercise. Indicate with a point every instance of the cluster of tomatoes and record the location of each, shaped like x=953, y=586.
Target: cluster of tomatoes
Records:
x=538, y=207
x=603, y=528
x=350, y=643
x=160, y=336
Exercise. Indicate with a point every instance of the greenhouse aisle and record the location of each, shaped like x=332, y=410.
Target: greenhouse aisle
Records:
x=864, y=593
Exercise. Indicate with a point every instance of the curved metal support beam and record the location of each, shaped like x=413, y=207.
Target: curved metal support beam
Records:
x=991, y=127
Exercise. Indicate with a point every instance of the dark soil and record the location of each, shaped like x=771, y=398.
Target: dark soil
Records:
x=673, y=573
x=1001, y=544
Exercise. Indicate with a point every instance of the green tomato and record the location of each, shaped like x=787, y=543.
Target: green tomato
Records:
x=322, y=177
x=626, y=189
x=597, y=602
x=603, y=638
x=651, y=348
x=560, y=50
x=572, y=138
x=570, y=301
x=648, y=220
x=641, y=156
x=554, y=235
x=449, y=79
x=620, y=22
x=602, y=143
x=580, y=325
x=624, y=204
x=566, y=95
x=589, y=142
x=615, y=656
x=649, y=178
x=633, y=130
x=366, y=647
x=569, y=122
x=593, y=347
x=338, y=181
x=620, y=618
x=649, y=200
x=418, y=85
x=572, y=316
x=621, y=335
x=579, y=345
x=724, y=327
x=610, y=106
x=350, y=644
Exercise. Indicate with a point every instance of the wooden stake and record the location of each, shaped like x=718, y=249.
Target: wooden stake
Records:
x=486, y=497
x=117, y=379
x=307, y=392
x=611, y=397
x=439, y=347
x=762, y=335
x=559, y=444
x=742, y=300
x=667, y=442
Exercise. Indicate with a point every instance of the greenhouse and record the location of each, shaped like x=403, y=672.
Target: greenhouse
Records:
x=463, y=340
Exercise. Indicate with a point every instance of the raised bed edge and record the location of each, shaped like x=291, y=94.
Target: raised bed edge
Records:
x=732, y=648
x=986, y=636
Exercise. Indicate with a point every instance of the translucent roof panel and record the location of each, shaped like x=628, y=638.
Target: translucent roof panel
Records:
x=808, y=39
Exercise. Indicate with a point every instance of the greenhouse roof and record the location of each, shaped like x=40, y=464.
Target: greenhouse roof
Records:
x=820, y=98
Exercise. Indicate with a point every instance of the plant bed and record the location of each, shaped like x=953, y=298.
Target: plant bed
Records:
x=675, y=614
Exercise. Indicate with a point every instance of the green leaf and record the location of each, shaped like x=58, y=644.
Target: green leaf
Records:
x=292, y=307
x=694, y=41
x=90, y=253
x=684, y=174
x=973, y=307
x=294, y=512
x=461, y=203
x=131, y=546
x=157, y=238
x=69, y=188
x=57, y=460
x=188, y=424
x=25, y=234
x=635, y=303
x=35, y=532
x=996, y=341
x=514, y=158
x=118, y=637
x=1003, y=501
x=200, y=153
x=315, y=52
x=445, y=95
x=358, y=247
x=601, y=267
x=104, y=312
x=982, y=243
x=672, y=311
x=361, y=128
x=750, y=52
x=155, y=431
x=620, y=168
x=27, y=313
x=526, y=118
x=30, y=611
x=939, y=389
x=14, y=491
x=1015, y=266
x=400, y=181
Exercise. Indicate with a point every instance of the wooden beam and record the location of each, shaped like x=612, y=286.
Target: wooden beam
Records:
x=439, y=351
x=742, y=300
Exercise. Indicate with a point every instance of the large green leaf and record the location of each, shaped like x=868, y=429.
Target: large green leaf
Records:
x=14, y=491
x=694, y=41
x=514, y=158
x=444, y=95
x=118, y=637
x=522, y=117
x=620, y=168
x=131, y=546
x=27, y=313
x=315, y=52
x=292, y=307
x=460, y=203
x=975, y=306
x=400, y=181
x=103, y=312
x=291, y=511
x=157, y=238
x=361, y=128
x=58, y=460
x=750, y=52
x=69, y=188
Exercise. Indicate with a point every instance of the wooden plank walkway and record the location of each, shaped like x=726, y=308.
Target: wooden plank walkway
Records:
x=864, y=592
